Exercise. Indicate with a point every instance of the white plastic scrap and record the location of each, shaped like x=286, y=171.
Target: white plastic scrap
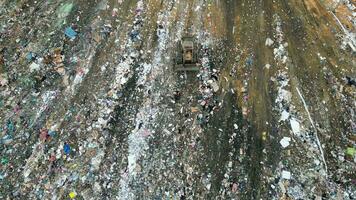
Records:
x=144, y=74
x=32, y=161
x=235, y=126
x=34, y=67
x=286, y=175
x=283, y=95
x=214, y=85
x=285, y=142
x=280, y=53
x=95, y=161
x=284, y=116
x=269, y=42
x=295, y=126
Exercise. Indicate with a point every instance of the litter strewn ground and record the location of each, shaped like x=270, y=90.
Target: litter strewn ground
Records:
x=92, y=107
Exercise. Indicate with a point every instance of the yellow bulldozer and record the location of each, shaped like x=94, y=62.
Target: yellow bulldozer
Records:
x=186, y=58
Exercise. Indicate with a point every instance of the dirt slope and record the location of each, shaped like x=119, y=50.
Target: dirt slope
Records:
x=104, y=115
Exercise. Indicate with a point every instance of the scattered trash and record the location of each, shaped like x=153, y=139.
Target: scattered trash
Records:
x=269, y=42
x=4, y=160
x=96, y=161
x=66, y=148
x=295, y=126
x=107, y=116
x=235, y=126
x=214, y=85
x=51, y=133
x=44, y=134
x=350, y=81
x=285, y=142
x=177, y=95
x=72, y=195
x=30, y=56
x=234, y=187
x=350, y=151
x=114, y=12
x=70, y=33
x=285, y=115
x=286, y=175
x=63, y=12
x=194, y=109
x=3, y=80
x=264, y=136
x=249, y=61
x=34, y=67
x=134, y=35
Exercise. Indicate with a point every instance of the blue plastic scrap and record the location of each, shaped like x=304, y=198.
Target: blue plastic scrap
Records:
x=10, y=127
x=249, y=61
x=134, y=34
x=66, y=148
x=30, y=56
x=51, y=133
x=70, y=33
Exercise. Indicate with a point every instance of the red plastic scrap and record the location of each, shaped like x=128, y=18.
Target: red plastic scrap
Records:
x=52, y=158
x=234, y=187
x=17, y=109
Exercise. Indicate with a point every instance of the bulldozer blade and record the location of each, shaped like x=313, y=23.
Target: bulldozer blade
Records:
x=180, y=69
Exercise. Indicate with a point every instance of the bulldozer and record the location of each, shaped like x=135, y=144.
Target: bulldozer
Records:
x=186, y=58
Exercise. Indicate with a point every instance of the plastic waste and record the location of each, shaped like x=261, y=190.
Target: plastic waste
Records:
x=70, y=33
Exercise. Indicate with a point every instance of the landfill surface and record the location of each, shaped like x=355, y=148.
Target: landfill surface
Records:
x=92, y=107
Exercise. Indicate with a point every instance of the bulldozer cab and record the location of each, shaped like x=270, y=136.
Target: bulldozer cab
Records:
x=188, y=51
x=187, y=55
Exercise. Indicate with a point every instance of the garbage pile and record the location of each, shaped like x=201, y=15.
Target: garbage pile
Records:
x=91, y=106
